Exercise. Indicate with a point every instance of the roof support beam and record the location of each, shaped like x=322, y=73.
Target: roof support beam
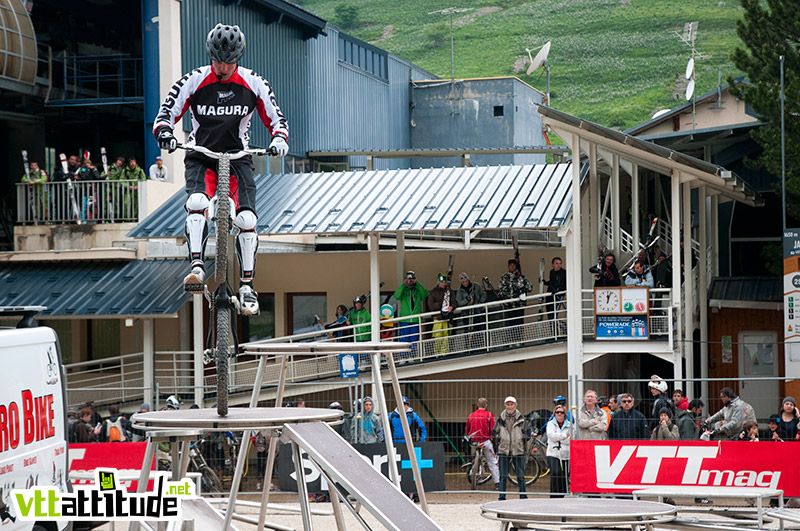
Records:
x=635, y=207
x=574, y=274
x=688, y=280
x=594, y=200
x=675, y=197
x=615, y=200
x=703, y=287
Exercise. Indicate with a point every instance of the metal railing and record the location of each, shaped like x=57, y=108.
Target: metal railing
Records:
x=84, y=201
x=483, y=328
x=96, y=79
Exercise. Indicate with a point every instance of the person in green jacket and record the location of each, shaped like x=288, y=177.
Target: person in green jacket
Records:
x=360, y=315
x=410, y=294
x=37, y=194
x=132, y=172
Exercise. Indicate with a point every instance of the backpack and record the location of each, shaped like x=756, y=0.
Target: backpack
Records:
x=115, y=431
x=72, y=437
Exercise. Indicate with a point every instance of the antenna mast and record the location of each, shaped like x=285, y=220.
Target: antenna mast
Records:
x=689, y=37
x=451, y=11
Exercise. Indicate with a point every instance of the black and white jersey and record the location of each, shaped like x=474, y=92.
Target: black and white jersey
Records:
x=221, y=112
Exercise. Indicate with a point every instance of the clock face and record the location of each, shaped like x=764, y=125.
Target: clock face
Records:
x=607, y=301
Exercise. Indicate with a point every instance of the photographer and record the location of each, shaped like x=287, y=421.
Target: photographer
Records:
x=607, y=274
x=513, y=285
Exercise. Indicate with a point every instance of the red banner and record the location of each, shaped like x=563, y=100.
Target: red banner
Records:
x=625, y=466
x=125, y=457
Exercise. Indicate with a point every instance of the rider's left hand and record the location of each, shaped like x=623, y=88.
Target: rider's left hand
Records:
x=279, y=145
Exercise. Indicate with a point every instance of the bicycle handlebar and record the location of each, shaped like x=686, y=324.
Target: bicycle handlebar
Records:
x=272, y=152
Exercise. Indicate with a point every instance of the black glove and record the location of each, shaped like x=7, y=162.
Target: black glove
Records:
x=166, y=140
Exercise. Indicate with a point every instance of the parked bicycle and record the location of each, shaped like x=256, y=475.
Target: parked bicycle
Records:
x=477, y=469
x=535, y=461
x=223, y=303
x=197, y=463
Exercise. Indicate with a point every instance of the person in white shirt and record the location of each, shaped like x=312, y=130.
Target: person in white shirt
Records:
x=158, y=172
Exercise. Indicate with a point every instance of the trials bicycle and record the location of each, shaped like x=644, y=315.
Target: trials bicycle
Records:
x=223, y=302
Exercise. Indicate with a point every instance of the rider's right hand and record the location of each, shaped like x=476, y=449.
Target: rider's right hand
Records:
x=167, y=141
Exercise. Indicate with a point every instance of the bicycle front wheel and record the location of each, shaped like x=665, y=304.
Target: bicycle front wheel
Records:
x=210, y=480
x=223, y=229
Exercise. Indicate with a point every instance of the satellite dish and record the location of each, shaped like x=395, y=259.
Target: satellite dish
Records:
x=690, y=90
x=690, y=68
x=662, y=112
x=540, y=58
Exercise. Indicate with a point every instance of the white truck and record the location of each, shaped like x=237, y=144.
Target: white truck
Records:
x=33, y=421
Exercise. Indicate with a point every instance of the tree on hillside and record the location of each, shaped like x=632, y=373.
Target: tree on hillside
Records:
x=347, y=15
x=768, y=30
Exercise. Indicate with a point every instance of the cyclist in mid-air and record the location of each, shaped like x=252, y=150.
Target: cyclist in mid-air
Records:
x=222, y=98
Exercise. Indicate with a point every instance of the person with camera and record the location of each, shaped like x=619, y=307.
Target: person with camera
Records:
x=558, y=436
x=514, y=285
x=410, y=294
x=606, y=274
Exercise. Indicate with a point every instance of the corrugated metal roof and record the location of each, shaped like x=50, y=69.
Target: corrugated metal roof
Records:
x=748, y=289
x=97, y=289
x=431, y=199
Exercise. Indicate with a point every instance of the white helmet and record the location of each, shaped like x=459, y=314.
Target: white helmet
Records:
x=173, y=402
x=660, y=385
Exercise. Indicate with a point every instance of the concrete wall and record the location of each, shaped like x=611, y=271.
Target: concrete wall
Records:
x=464, y=115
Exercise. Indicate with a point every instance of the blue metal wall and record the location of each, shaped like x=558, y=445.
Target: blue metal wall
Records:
x=330, y=104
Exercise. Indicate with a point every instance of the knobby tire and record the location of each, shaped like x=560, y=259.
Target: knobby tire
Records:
x=223, y=316
x=210, y=480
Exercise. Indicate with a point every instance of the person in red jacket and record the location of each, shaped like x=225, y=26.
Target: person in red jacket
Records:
x=479, y=429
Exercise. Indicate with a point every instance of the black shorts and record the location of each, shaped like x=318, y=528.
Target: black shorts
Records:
x=201, y=176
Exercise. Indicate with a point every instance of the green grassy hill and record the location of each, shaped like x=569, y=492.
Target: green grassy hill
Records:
x=614, y=62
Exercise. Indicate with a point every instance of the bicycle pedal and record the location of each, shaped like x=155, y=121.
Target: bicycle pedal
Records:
x=194, y=288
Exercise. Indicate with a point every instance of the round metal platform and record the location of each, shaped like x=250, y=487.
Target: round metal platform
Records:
x=238, y=418
x=583, y=511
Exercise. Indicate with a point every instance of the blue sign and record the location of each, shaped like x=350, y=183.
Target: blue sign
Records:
x=619, y=327
x=348, y=365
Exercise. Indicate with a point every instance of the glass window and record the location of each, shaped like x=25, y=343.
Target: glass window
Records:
x=303, y=309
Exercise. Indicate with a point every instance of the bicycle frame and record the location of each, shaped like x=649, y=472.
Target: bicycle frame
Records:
x=223, y=302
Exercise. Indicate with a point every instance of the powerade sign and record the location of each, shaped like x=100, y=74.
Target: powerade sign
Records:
x=621, y=327
x=430, y=457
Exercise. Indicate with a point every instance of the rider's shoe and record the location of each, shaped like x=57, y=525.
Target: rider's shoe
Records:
x=248, y=299
x=195, y=281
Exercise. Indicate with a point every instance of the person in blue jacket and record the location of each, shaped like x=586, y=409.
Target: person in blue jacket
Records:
x=414, y=423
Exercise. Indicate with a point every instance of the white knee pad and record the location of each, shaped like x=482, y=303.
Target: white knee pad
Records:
x=246, y=220
x=197, y=203
x=246, y=243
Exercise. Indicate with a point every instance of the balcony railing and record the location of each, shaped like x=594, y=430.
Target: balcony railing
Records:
x=84, y=201
x=483, y=328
